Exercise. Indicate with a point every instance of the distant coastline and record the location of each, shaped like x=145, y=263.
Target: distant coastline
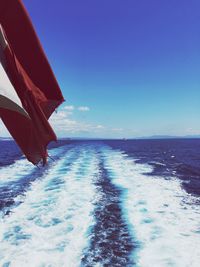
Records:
x=170, y=137
x=153, y=137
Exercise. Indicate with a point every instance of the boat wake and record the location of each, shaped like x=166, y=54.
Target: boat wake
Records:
x=95, y=206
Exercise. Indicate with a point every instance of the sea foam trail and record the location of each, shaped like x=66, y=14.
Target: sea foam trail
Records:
x=163, y=217
x=15, y=171
x=110, y=240
x=22, y=167
x=10, y=183
x=17, y=177
x=51, y=226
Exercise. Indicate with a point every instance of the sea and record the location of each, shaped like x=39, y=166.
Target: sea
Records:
x=102, y=203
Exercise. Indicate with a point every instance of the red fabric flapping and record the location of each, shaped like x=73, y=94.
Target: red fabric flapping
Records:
x=26, y=47
x=27, y=68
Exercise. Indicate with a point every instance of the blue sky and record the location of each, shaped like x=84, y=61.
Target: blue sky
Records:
x=133, y=64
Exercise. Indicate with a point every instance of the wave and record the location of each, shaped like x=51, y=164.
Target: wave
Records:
x=50, y=227
x=163, y=217
x=95, y=206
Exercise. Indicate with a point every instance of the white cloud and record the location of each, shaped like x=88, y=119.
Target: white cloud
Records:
x=83, y=108
x=65, y=126
x=100, y=127
x=70, y=108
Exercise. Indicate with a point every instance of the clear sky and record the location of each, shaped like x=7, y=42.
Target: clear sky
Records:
x=126, y=68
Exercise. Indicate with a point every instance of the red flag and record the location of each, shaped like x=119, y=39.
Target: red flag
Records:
x=22, y=129
x=27, y=49
x=30, y=74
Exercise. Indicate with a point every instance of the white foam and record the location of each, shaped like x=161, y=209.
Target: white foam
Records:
x=15, y=171
x=23, y=167
x=162, y=216
x=51, y=227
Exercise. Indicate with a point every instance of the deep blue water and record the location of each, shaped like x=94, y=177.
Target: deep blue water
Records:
x=169, y=157
x=102, y=203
